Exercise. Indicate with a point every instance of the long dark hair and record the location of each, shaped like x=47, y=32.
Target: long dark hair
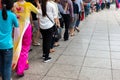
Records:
x=43, y=6
x=6, y=5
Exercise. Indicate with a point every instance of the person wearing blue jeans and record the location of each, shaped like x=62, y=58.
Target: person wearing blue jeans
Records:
x=80, y=5
x=87, y=9
x=7, y=20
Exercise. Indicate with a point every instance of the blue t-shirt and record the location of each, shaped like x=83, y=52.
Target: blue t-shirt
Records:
x=6, y=27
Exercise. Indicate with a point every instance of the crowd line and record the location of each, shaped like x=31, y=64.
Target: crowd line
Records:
x=22, y=23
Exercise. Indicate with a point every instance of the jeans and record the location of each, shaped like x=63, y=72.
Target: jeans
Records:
x=5, y=63
x=87, y=9
x=78, y=20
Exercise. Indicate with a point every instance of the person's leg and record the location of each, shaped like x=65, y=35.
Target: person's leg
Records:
x=77, y=22
x=67, y=24
x=108, y=5
x=44, y=42
x=1, y=61
x=85, y=9
x=53, y=40
x=47, y=39
x=8, y=54
x=26, y=42
x=36, y=34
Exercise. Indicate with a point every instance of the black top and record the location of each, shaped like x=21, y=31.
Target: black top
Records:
x=33, y=14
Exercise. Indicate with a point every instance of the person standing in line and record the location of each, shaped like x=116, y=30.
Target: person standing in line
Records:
x=36, y=31
x=81, y=9
x=76, y=13
x=47, y=20
x=55, y=39
x=22, y=44
x=108, y=2
x=68, y=16
x=7, y=20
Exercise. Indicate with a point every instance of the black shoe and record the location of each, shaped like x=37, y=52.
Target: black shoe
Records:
x=20, y=75
x=43, y=56
x=65, y=39
x=47, y=59
x=30, y=50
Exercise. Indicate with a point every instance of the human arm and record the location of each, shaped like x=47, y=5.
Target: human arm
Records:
x=33, y=8
x=15, y=21
x=55, y=15
x=82, y=5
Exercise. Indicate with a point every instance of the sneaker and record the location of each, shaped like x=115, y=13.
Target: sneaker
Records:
x=47, y=59
x=43, y=56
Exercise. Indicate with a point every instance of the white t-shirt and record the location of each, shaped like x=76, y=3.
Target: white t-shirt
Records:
x=56, y=7
x=79, y=2
x=45, y=22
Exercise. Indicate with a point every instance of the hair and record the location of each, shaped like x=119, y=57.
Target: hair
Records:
x=43, y=6
x=6, y=5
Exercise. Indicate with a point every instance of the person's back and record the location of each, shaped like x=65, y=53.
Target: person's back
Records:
x=7, y=21
x=6, y=27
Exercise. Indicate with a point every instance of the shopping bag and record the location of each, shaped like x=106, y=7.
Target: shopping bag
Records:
x=82, y=16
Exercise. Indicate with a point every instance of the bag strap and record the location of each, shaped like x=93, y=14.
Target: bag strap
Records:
x=49, y=18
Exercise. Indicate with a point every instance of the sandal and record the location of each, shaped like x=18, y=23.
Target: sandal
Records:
x=72, y=34
x=36, y=44
x=56, y=45
x=78, y=30
x=52, y=50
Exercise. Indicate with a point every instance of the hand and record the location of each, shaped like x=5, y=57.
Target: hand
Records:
x=32, y=24
x=82, y=10
x=72, y=19
x=58, y=25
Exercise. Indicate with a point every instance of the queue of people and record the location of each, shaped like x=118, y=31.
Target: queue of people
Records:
x=20, y=20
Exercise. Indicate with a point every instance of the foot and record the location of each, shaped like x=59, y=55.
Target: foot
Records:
x=36, y=44
x=56, y=45
x=76, y=28
x=65, y=39
x=26, y=66
x=72, y=34
x=43, y=56
x=47, y=59
x=20, y=75
x=30, y=50
x=52, y=50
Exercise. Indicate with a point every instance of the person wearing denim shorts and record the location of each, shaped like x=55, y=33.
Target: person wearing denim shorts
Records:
x=7, y=20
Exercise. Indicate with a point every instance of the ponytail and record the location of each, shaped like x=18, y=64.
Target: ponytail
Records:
x=4, y=12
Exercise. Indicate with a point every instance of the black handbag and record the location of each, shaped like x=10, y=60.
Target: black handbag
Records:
x=57, y=33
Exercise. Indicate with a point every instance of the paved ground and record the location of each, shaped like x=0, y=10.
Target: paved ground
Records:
x=93, y=54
